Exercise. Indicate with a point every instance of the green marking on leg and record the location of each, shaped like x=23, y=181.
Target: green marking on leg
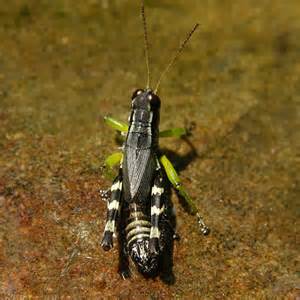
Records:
x=173, y=132
x=176, y=182
x=118, y=125
x=113, y=159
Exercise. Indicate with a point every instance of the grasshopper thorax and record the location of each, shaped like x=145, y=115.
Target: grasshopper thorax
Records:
x=145, y=107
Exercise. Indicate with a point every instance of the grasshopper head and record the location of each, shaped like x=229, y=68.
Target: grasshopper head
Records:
x=145, y=100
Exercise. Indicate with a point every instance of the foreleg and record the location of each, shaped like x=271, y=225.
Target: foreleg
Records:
x=115, y=124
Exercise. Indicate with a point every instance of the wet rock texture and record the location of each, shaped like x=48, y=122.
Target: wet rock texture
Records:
x=65, y=64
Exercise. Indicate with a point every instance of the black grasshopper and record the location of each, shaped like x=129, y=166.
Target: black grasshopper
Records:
x=138, y=206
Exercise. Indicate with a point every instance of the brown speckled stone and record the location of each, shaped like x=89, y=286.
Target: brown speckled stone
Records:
x=66, y=64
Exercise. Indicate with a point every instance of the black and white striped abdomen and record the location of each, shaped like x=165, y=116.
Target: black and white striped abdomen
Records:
x=138, y=242
x=138, y=227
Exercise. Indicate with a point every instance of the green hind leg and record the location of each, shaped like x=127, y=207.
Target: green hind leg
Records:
x=176, y=182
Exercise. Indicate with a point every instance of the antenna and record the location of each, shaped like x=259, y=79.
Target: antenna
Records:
x=146, y=42
x=178, y=52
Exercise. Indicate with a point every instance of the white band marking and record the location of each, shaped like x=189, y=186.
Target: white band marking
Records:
x=116, y=186
x=157, y=190
x=154, y=233
x=110, y=226
x=113, y=205
x=157, y=211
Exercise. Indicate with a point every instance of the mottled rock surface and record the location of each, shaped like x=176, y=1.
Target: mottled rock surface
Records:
x=65, y=64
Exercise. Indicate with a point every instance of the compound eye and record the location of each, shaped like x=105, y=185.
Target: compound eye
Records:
x=136, y=93
x=154, y=100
